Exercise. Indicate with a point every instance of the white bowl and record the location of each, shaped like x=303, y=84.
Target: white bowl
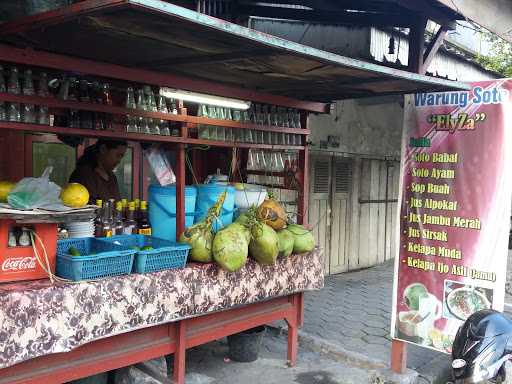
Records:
x=245, y=198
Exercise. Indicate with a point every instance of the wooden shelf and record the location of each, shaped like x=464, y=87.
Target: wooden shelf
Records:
x=79, y=105
x=134, y=136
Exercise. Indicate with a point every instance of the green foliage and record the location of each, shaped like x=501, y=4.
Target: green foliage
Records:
x=500, y=57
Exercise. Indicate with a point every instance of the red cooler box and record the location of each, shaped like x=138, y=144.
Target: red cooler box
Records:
x=19, y=262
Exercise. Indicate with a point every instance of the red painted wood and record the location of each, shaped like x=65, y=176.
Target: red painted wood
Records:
x=133, y=136
x=398, y=356
x=180, y=354
x=300, y=309
x=95, y=357
x=148, y=343
x=180, y=190
x=66, y=63
x=293, y=344
x=302, y=213
x=182, y=117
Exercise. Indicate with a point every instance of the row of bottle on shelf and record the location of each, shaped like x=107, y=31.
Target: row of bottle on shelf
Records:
x=272, y=167
x=256, y=114
x=19, y=236
x=121, y=218
x=72, y=88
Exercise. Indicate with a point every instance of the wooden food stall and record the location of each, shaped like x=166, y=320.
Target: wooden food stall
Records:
x=60, y=332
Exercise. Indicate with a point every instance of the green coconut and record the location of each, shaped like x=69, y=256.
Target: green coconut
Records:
x=200, y=238
x=304, y=240
x=241, y=229
x=200, y=235
x=264, y=245
x=230, y=249
x=286, y=241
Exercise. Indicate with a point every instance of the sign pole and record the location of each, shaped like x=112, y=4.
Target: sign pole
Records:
x=398, y=356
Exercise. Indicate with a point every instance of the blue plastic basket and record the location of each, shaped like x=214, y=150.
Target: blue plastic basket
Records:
x=109, y=259
x=164, y=255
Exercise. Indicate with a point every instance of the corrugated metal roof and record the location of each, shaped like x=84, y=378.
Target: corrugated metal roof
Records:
x=152, y=34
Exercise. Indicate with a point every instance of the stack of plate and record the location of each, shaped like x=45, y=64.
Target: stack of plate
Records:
x=81, y=229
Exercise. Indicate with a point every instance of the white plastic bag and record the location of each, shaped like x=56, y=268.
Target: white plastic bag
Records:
x=35, y=192
x=160, y=166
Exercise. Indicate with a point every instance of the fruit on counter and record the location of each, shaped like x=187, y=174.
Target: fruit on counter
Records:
x=74, y=252
x=272, y=213
x=146, y=248
x=264, y=245
x=304, y=241
x=286, y=241
x=5, y=188
x=241, y=229
x=239, y=186
x=74, y=195
x=231, y=247
x=200, y=235
x=412, y=295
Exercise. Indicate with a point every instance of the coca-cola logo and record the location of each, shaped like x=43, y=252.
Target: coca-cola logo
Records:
x=19, y=264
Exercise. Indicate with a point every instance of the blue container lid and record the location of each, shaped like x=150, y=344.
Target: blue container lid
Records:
x=171, y=190
x=215, y=188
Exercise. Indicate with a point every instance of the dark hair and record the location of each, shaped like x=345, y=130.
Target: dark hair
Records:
x=90, y=156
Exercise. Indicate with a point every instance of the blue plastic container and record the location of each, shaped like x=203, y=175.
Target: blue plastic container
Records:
x=164, y=255
x=100, y=259
x=162, y=210
x=207, y=195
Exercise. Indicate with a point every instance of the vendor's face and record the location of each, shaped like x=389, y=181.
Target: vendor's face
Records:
x=111, y=157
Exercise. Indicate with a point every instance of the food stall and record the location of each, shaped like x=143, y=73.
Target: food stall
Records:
x=60, y=331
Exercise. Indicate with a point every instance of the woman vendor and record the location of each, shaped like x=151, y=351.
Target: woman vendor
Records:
x=95, y=169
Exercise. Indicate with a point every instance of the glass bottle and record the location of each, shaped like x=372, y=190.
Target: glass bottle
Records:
x=24, y=239
x=162, y=105
x=142, y=122
x=43, y=116
x=174, y=107
x=144, y=228
x=118, y=220
x=11, y=242
x=164, y=128
x=107, y=100
x=212, y=129
x=107, y=221
x=130, y=225
x=29, y=110
x=203, y=130
x=74, y=116
x=154, y=126
x=14, y=88
x=124, y=202
x=83, y=94
x=131, y=121
x=98, y=228
x=3, y=88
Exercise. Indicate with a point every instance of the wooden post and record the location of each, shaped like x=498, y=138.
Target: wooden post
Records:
x=398, y=356
x=302, y=208
x=181, y=351
x=417, y=45
x=180, y=190
x=293, y=331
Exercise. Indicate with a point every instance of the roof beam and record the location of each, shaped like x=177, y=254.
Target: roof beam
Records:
x=428, y=10
x=495, y=15
x=433, y=47
x=350, y=18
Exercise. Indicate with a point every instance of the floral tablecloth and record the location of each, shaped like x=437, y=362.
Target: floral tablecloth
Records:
x=38, y=318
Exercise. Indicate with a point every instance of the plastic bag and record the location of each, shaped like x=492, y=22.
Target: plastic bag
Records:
x=160, y=166
x=35, y=192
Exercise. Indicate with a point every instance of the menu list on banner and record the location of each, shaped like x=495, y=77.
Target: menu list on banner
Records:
x=454, y=211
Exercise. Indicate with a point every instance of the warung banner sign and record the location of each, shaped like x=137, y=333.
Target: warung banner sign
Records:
x=455, y=196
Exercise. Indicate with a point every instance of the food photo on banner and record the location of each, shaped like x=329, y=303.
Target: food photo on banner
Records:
x=454, y=207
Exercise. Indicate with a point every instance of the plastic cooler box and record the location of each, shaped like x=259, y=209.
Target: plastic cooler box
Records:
x=207, y=195
x=162, y=210
x=164, y=255
x=99, y=259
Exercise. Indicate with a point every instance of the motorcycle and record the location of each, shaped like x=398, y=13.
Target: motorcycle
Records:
x=482, y=349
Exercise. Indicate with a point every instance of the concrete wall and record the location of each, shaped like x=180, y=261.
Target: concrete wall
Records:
x=363, y=127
